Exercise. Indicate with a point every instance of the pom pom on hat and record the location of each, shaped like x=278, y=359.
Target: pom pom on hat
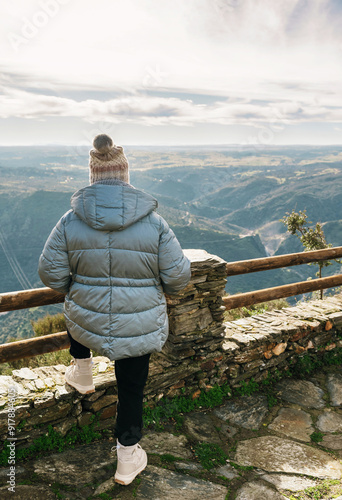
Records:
x=103, y=143
x=107, y=161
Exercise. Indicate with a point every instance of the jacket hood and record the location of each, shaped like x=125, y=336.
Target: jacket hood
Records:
x=111, y=207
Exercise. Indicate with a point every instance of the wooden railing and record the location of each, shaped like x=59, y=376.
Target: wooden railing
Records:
x=57, y=341
x=278, y=292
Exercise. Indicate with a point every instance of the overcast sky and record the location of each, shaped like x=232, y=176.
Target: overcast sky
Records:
x=171, y=71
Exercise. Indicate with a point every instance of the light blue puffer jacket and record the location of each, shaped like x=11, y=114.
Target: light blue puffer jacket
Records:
x=113, y=256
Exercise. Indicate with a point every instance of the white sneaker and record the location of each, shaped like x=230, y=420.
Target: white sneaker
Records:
x=80, y=375
x=131, y=461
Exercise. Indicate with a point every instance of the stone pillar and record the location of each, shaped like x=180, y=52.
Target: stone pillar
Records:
x=196, y=333
x=196, y=313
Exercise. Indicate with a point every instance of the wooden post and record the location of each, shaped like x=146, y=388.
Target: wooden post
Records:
x=32, y=347
x=279, y=292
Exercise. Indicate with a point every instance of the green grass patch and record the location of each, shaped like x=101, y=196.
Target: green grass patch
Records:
x=58, y=489
x=167, y=457
x=317, y=437
x=106, y=496
x=210, y=455
x=247, y=388
x=137, y=482
x=272, y=400
x=307, y=364
x=322, y=491
x=53, y=441
x=167, y=409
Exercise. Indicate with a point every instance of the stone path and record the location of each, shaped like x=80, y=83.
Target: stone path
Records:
x=270, y=453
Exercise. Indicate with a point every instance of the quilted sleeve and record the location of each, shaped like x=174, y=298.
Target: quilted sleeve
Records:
x=174, y=267
x=53, y=267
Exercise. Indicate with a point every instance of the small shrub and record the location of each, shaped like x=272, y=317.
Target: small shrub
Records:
x=49, y=324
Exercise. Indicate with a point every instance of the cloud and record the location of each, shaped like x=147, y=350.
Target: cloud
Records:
x=150, y=110
x=198, y=45
x=225, y=62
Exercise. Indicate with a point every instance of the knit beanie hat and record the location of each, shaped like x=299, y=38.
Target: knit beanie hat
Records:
x=107, y=161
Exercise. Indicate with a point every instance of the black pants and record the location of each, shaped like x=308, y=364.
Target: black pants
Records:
x=131, y=375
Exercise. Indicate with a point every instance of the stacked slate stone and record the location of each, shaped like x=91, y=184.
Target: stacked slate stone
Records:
x=43, y=399
x=196, y=313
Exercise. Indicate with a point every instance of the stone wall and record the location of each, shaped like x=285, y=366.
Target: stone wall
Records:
x=259, y=345
x=201, y=351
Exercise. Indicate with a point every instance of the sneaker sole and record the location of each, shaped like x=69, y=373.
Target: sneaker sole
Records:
x=82, y=390
x=126, y=480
